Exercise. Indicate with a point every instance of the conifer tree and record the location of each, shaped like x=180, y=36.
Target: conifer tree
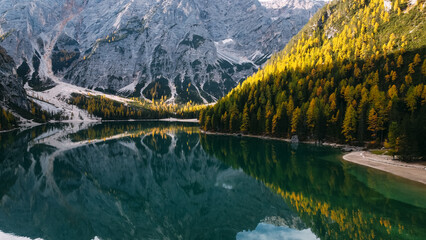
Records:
x=349, y=124
x=295, y=120
x=246, y=120
x=373, y=122
x=424, y=68
x=399, y=62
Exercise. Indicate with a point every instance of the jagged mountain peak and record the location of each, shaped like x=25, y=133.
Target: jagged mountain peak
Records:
x=182, y=50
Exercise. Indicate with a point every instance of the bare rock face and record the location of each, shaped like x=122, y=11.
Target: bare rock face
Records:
x=181, y=50
x=12, y=92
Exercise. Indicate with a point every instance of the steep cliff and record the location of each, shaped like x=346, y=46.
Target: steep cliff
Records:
x=12, y=92
x=179, y=49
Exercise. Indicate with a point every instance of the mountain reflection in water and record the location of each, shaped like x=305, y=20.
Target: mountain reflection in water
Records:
x=150, y=180
x=127, y=181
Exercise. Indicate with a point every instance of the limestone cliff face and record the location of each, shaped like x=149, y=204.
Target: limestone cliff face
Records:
x=11, y=88
x=182, y=49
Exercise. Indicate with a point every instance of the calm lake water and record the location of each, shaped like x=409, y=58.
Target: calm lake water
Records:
x=144, y=180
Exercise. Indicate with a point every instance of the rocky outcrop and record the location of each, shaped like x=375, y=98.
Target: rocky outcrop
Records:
x=12, y=92
x=179, y=49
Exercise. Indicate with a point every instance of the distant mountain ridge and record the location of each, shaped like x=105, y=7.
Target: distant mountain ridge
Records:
x=182, y=50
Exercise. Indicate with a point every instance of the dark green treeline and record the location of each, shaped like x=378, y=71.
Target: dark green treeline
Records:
x=362, y=84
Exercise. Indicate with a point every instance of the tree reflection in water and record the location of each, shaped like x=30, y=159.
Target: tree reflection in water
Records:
x=330, y=196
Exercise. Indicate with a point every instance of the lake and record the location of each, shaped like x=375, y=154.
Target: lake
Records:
x=153, y=180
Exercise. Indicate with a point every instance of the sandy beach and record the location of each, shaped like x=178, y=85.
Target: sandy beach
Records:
x=412, y=171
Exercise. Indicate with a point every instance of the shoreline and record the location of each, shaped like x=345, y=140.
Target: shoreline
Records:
x=343, y=147
x=34, y=124
x=357, y=155
x=189, y=120
x=411, y=171
x=10, y=130
x=26, y=126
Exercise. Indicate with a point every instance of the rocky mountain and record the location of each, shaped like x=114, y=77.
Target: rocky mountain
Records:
x=179, y=49
x=11, y=89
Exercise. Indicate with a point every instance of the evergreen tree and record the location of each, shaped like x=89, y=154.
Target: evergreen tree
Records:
x=424, y=68
x=349, y=124
x=295, y=120
x=246, y=120
x=400, y=61
x=373, y=122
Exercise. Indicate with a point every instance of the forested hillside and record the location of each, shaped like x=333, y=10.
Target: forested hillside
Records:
x=356, y=73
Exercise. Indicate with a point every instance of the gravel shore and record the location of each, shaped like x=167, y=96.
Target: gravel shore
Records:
x=412, y=171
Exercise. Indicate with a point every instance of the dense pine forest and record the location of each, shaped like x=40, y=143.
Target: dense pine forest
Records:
x=356, y=73
x=108, y=109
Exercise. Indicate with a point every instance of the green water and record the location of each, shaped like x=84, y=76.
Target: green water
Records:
x=144, y=180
